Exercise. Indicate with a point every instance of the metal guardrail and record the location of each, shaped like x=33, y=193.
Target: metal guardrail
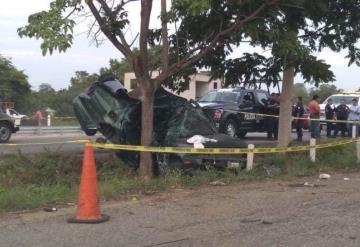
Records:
x=36, y=130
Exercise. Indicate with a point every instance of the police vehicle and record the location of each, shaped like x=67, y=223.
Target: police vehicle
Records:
x=233, y=110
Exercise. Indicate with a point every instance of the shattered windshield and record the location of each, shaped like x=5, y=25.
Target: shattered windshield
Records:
x=221, y=96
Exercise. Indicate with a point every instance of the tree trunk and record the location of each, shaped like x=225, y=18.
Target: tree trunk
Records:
x=165, y=38
x=285, y=106
x=147, y=126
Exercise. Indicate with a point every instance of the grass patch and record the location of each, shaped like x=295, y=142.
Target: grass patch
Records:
x=32, y=181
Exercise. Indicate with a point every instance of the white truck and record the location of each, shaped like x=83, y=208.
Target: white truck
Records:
x=336, y=98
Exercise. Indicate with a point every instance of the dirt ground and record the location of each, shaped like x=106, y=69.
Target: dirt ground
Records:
x=270, y=213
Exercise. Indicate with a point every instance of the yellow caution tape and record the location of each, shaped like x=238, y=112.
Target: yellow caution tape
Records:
x=191, y=150
x=298, y=118
x=188, y=150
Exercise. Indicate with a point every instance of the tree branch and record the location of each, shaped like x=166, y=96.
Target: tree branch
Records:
x=127, y=52
x=164, y=36
x=143, y=63
x=240, y=21
x=108, y=11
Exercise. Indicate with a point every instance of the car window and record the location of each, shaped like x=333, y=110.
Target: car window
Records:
x=262, y=97
x=221, y=96
x=249, y=96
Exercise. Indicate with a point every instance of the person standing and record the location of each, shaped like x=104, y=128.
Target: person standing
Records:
x=271, y=109
x=314, y=110
x=329, y=115
x=298, y=111
x=342, y=114
x=39, y=117
x=354, y=115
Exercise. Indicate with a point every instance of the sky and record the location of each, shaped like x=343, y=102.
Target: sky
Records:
x=57, y=69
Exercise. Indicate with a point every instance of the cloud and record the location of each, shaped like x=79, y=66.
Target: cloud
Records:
x=21, y=9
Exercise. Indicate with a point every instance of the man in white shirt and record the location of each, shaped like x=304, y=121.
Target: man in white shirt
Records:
x=354, y=115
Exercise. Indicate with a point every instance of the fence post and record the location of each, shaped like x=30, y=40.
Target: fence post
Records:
x=353, y=131
x=250, y=158
x=312, y=150
x=358, y=150
x=48, y=120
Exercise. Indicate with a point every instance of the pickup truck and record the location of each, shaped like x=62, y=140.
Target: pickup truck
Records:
x=7, y=126
x=228, y=107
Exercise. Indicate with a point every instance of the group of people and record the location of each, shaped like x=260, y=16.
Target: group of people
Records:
x=341, y=114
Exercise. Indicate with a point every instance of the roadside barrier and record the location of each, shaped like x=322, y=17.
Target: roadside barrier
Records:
x=88, y=211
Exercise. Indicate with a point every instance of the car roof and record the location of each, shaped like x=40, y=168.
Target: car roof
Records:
x=238, y=89
x=347, y=94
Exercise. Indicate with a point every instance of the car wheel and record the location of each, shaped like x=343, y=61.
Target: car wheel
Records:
x=230, y=128
x=90, y=132
x=165, y=163
x=242, y=134
x=5, y=132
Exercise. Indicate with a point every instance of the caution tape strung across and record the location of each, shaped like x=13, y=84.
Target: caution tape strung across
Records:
x=190, y=150
x=297, y=118
x=186, y=150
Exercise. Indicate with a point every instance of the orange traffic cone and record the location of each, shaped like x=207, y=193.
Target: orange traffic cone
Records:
x=88, y=210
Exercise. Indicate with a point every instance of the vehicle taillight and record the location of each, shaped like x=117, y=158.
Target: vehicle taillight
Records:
x=89, y=90
x=217, y=114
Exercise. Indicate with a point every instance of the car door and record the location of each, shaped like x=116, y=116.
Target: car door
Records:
x=246, y=106
x=260, y=106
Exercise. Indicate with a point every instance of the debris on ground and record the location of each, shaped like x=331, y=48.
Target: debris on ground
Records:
x=198, y=141
x=309, y=184
x=306, y=184
x=218, y=183
x=271, y=169
x=346, y=179
x=50, y=209
x=324, y=176
x=265, y=222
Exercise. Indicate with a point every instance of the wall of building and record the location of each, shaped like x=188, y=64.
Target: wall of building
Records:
x=198, y=85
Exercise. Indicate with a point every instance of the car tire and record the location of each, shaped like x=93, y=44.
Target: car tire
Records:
x=165, y=163
x=90, y=132
x=5, y=132
x=242, y=134
x=230, y=128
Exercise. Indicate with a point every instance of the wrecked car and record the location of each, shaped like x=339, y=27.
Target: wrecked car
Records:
x=107, y=107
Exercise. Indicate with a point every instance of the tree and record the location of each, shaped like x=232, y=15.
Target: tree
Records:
x=13, y=84
x=55, y=28
x=119, y=68
x=324, y=91
x=293, y=31
x=301, y=91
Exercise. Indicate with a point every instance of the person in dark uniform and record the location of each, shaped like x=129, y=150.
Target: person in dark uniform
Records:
x=272, y=108
x=329, y=115
x=342, y=113
x=298, y=111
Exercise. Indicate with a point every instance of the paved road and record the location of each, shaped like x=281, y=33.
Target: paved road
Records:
x=271, y=213
x=37, y=144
